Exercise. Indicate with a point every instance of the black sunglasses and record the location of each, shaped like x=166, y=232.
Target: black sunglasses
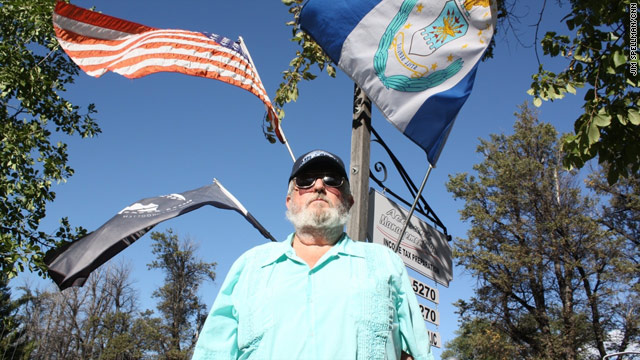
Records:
x=306, y=181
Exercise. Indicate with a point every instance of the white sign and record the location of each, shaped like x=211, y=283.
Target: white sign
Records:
x=430, y=314
x=434, y=338
x=423, y=248
x=425, y=291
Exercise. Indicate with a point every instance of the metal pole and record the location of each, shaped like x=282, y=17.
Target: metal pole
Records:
x=359, y=166
x=413, y=207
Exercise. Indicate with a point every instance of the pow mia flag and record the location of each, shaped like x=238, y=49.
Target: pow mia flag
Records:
x=71, y=264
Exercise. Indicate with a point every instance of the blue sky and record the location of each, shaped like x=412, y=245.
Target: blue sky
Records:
x=169, y=133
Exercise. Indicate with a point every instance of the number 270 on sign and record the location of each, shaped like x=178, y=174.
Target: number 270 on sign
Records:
x=430, y=314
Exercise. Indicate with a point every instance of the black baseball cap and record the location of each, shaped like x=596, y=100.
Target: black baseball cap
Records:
x=318, y=159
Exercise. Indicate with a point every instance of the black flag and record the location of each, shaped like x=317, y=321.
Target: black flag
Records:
x=71, y=265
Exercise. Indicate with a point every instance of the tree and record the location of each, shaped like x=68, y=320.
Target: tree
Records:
x=182, y=310
x=621, y=216
x=98, y=320
x=547, y=271
x=595, y=55
x=33, y=73
x=12, y=335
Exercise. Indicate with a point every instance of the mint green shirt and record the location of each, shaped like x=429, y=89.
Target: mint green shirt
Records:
x=356, y=303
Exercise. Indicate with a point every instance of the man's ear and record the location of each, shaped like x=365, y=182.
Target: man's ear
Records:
x=351, y=201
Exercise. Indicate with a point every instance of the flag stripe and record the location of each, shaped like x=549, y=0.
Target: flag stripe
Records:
x=325, y=30
x=95, y=61
x=151, y=66
x=98, y=43
x=85, y=29
x=444, y=105
x=98, y=55
x=77, y=44
x=171, y=57
x=100, y=23
x=165, y=48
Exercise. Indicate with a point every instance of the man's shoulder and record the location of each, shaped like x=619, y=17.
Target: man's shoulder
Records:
x=264, y=249
x=375, y=252
x=256, y=257
x=380, y=260
x=372, y=247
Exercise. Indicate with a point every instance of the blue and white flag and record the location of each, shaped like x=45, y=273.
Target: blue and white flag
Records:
x=415, y=59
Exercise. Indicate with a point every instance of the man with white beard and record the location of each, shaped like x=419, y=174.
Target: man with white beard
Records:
x=318, y=294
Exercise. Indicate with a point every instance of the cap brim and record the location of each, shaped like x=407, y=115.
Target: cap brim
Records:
x=321, y=164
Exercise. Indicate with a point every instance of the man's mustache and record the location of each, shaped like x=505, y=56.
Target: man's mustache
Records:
x=318, y=197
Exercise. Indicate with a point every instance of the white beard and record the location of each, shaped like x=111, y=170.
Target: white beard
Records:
x=328, y=221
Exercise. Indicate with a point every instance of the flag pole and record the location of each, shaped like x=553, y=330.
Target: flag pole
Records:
x=413, y=207
x=244, y=211
x=246, y=51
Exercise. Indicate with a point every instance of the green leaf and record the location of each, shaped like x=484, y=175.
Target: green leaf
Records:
x=594, y=133
x=621, y=119
x=537, y=102
x=634, y=116
x=619, y=58
x=602, y=120
x=331, y=71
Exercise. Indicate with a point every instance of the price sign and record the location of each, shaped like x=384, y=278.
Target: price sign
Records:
x=430, y=314
x=425, y=291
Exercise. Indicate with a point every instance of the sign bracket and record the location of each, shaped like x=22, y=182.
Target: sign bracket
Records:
x=422, y=207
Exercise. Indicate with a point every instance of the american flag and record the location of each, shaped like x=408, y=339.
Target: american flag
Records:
x=98, y=43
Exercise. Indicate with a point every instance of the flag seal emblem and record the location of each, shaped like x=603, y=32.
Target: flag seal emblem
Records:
x=450, y=25
x=414, y=57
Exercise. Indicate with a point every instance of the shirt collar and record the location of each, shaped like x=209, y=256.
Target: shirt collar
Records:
x=345, y=246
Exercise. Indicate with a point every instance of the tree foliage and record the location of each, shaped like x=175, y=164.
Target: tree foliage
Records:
x=12, y=335
x=33, y=115
x=551, y=283
x=620, y=216
x=182, y=310
x=300, y=67
x=594, y=48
